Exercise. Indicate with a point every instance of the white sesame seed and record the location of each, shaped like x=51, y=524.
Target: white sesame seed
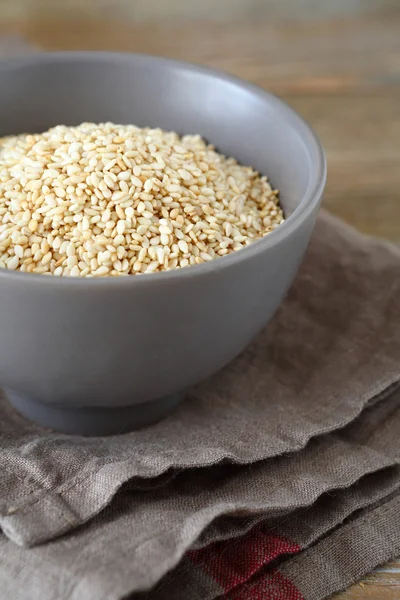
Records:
x=108, y=165
x=121, y=227
x=142, y=229
x=94, y=179
x=184, y=174
x=18, y=251
x=183, y=247
x=173, y=188
x=71, y=261
x=121, y=252
x=12, y=263
x=140, y=207
x=33, y=225
x=119, y=196
x=46, y=258
x=101, y=271
x=75, y=272
x=119, y=240
x=142, y=254
x=160, y=255
x=152, y=267
x=136, y=182
x=164, y=239
x=148, y=185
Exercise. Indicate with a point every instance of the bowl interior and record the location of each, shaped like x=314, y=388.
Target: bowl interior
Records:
x=240, y=120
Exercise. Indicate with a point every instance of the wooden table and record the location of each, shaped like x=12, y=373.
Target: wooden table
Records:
x=342, y=75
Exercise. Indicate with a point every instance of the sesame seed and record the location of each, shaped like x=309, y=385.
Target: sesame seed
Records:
x=148, y=185
x=160, y=255
x=164, y=239
x=12, y=263
x=101, y=271
x=70, y=249
x=121, y=227
x=75, y=272
x=183, y=246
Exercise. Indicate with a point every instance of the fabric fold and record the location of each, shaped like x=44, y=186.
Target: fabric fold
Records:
x=226, y=568
x=142, y=535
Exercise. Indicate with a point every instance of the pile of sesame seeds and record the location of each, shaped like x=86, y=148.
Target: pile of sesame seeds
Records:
x=111, y=200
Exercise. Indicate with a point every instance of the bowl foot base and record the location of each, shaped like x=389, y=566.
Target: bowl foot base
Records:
x=94, y=421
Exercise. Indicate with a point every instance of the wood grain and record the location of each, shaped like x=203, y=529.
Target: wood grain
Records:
x=382, y=584
x=172, y=10
x=342, y=75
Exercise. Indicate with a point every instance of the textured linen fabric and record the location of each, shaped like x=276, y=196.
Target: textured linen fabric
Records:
x=144, y=534
x=339, y=559
x=233, y=567
x=350, y=553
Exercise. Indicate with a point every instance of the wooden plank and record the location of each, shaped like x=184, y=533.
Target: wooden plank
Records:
x=173, y=10
x=383, y=584
x=361, y=136
x=328, y=57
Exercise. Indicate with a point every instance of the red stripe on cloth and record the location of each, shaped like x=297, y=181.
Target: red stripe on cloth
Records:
x=233, y=562
x=267, y=586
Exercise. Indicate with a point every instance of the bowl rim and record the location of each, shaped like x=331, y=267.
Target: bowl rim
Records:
x=303, y=210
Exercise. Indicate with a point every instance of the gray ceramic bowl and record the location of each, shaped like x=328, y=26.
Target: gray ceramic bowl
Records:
x=98, y=356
